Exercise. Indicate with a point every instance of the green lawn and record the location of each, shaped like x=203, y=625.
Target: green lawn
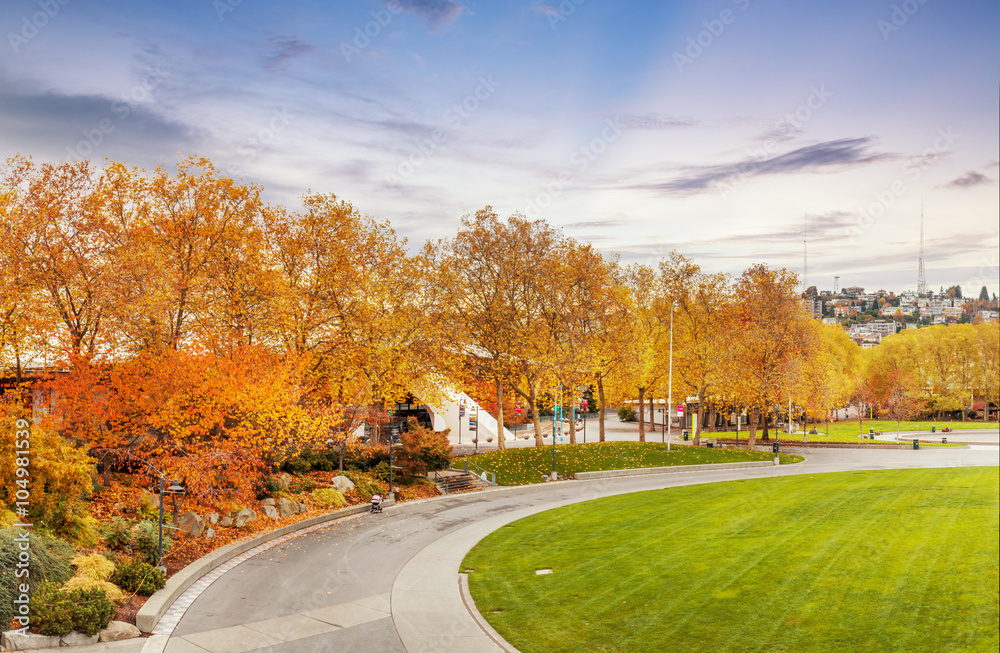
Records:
x=532, y=464
x=899, y=560
x=847, y=431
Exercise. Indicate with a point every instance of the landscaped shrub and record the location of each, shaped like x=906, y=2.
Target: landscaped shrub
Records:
x=302, y=485
x=381, y=471
x=146, y=541
x=49, y=561
x=117, y=534
x=138, y=577
x=92, y=610
x=424, y=449
x=328, y=498
x=364, y=486
x=626, y=413
x=94, y=566
x=110, y=590
x=51, y=611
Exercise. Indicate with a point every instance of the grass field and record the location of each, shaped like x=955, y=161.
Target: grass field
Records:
x=532, y=464
x=899, y=560
x=847, y=431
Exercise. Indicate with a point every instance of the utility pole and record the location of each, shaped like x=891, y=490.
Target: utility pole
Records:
x=670, y=377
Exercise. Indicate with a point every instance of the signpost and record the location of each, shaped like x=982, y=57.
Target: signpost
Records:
x=461, y=414
x=583, y=406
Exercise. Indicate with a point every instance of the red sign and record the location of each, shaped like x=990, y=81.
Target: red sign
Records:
x=517, y=410
x=680, y=410
x=584, y=404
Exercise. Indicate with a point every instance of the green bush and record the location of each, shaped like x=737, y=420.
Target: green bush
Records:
x=364, y=486
x=92, y=610
x=146, y=541
x=51, y=611
x=381, y=471
x=138, y=577
x=328, y=497
x=626, y=414
x=117, y=535
x=302, y=485
x=49, y=562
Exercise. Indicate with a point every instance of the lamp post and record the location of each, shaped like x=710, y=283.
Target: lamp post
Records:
x=670, y=378
x=461, y=414
x=391, y=467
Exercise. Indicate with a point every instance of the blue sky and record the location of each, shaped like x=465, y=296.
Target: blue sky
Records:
x=722, y=129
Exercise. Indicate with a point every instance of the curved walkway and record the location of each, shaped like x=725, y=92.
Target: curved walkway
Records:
x=390, y=582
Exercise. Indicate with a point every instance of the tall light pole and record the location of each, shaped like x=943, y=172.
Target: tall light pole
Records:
x=670, y=377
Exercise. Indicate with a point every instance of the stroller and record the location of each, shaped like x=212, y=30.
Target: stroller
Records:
x=376, y=503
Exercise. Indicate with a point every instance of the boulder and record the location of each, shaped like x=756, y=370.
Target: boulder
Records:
x=117, y=631
x=226, y=522
x=212, y=518
x=342, y=484
x=209, y=533
x=191, y=522
x=271, y=512
x=267, y=502
x=15, y=641
x=77, y=639
x=151, y=499
x=287, y=508
x=244, y=517
x=302, y=508
x=285, y=481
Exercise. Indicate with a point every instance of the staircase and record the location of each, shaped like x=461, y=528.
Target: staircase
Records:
x=454, y=480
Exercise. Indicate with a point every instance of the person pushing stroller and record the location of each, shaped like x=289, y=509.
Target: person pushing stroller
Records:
x=376, y=503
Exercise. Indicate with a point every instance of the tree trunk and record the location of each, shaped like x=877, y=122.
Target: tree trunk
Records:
x=711, y=419
x=536, y=421
x=501, y=444
x=652, y=418
x=642, y=425
x=752, y=431
x=572, y=425
x=600, y=397
x=764, y=435
x=700, y=416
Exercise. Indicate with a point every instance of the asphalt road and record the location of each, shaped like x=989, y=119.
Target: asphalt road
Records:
x=329, y=590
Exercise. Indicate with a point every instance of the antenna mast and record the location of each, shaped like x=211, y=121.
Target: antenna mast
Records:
x=921, y=278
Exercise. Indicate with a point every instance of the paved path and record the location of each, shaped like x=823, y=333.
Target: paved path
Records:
x=390, y=582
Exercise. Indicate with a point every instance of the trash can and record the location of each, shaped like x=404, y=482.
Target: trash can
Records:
x=710, y=445
x=916, y=443
x=871, y=431
x=774, y=447
x=933, y=429
x=944, y=440
x=685, y=434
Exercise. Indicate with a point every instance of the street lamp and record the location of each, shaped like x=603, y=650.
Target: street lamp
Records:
x=670, y=381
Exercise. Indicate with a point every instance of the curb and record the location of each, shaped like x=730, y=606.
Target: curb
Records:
x=642, y=471
x=157, y=604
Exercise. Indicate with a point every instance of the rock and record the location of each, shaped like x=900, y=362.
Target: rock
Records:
x=814, y=432
x=117, y=631
x=285, y=481
x=151, y=499
x=271, y=512
x=226, y=522
x=267, y=502
x=119, y=507
x=209, y=533
x=287, y=508
x=302, y=508
x=191, y=522
x=77, y=639
x=15, y=641
x=342, y=484
x=244, y=517
x=212, y=518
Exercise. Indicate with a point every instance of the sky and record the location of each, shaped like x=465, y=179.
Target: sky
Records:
x=734, y=131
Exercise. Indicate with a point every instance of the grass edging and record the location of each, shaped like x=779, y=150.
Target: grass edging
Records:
x=641, y=471
x=157, y=604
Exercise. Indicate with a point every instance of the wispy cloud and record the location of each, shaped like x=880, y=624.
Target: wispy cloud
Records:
x=439, y=14
x=969, y=179
x=841, y=153
x=655, y=121
x=282, y=50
